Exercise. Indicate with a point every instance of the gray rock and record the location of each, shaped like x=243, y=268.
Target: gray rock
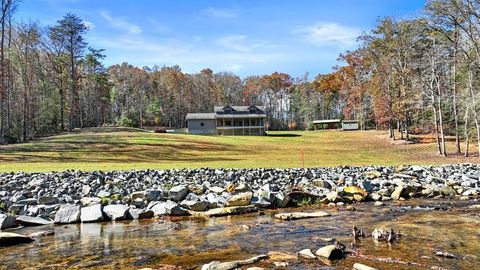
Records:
x=259, y=202
x=215, y=265
x=104, y=193
x=167, y=208
x=10, y=239
x=178, y=193
x=137, y=195
x=241, y=199
x=134, y=213
x=87, y=201
x=7, y=221
x=138, y=202
x=301, y=215
x=47, y=200
x=359, y=266
x=195, y=205
x=306, y=254
x=33, y=221
x=334, y=197
x=41, y=234
x=68, y=213
x=331, y=252
x=27, y=201
x=92, y=213
x=116, y=211
x=153, y=194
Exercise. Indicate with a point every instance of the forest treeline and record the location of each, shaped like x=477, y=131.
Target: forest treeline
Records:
x=417, y=75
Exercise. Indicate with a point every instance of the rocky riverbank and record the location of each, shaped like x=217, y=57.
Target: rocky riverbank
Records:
x=74, y=196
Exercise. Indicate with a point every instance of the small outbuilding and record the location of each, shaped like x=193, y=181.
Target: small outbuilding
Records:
x=326, y=124
x=335, y=124
x=350, y=125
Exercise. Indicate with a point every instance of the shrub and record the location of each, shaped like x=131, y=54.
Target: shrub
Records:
x=310, y=126
x=292, y=125
x=160, y=130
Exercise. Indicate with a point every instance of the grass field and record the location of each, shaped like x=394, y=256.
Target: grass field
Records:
x=112, y=149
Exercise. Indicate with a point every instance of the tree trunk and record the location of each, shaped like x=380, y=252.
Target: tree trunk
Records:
x=467, y=137
x=435, y=120
x=71, y=124
x=474, y=108
x=454, y=92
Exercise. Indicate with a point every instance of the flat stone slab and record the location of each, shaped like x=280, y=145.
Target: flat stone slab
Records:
x=10, y=239
x=33, y=221
x=225, y=211
x=301, y=215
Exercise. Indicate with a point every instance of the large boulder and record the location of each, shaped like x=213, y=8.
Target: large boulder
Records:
x=241, y=199
x=152, y=194
x=195, y=205
x=92, y=213
x=7, y=221
x=68, y=213
x=167, y=208
x=116, y=211
x=135, y=213
x=178, y=193
x=331, y=252
x=33, y=221
x=10, y=239
x=402, y=191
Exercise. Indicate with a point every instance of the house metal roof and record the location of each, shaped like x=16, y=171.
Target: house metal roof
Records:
x=238, y=108
x=200, y=116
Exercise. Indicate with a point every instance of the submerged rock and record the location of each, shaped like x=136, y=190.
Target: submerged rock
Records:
x=301, y=215
x=41, y=234
x=216, y=265
x=225, y=211
x=359, y=266
x=306, y=254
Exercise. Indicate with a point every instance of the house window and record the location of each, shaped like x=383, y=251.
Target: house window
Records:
x=228, y=111
x=253, y=111
x=228, y=123
x=202, y=124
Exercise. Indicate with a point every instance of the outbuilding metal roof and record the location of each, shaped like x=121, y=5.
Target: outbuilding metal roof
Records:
x=326, y=121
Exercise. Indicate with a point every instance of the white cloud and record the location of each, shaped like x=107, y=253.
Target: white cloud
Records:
x=241, y=43
x=121, y=23
x=221, y=12
x=321, y=34
x=89, y=24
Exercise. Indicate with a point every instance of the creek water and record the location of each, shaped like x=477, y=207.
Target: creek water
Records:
x=427, y=226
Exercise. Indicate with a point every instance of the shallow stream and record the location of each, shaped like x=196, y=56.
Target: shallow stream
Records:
x=427, y=226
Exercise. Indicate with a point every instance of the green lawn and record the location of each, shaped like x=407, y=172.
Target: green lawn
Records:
x=111, y=149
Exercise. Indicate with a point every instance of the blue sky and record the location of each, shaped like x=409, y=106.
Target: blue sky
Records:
x=247, y=37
